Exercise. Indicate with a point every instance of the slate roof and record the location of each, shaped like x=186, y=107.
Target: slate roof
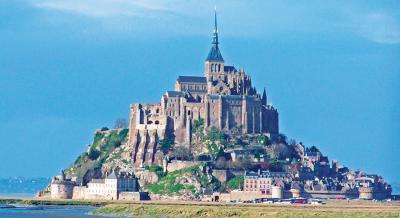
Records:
x=175, y=93
x=229, y=69
x=192, y=79
x=112, y=176
x=214, y=54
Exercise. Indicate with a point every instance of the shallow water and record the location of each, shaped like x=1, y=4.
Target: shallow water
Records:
x=47, y=211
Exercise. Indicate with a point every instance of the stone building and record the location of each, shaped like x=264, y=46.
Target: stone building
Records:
x=61, y=187
x=112, y=187
x=265, y=181
x=224, y=98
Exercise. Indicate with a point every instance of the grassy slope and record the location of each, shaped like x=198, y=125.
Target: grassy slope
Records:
x=168, y=185
x=104, y=145
x=231, y=210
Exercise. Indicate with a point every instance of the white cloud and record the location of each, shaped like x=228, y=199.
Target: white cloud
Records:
x=103, y=8
x=255, y=19
x=380, y=28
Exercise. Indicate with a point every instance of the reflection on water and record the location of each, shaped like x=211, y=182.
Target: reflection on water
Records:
x=46, y=211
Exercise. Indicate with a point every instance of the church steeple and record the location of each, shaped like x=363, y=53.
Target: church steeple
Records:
x=215, y=54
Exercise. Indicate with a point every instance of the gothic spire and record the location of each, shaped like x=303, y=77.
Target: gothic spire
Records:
x=215, y=54
x=264, y=98
x=215, y=34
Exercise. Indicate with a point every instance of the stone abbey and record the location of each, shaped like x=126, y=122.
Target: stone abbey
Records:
x=224, y=98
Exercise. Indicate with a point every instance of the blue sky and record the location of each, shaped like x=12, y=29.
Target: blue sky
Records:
x=68, y=67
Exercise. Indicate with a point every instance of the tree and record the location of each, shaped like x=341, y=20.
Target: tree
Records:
x=182, y=153
x=197, y=124
x=282, y=138
x=221, y=163
x=262, y=140
x=279, y=151
x=236, y=182
x=93, y=154
x=215, y=135
x=121, y=123
x=213, y=149
x=166, y=144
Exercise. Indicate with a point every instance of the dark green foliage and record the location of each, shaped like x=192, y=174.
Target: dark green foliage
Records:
x=213, y=149
x=215, y=135
x=99, y=163
x=154, y=168
x=93, y=154
x=166, y=144
x=209, y=182
x=236, y=182
x=198, y=124
x=123, y=133
x=182, y=153
x=263, y=140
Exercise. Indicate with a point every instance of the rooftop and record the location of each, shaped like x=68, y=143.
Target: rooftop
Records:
x=192, y=79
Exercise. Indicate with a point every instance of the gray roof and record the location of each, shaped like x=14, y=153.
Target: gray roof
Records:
x=97, y=181
x=229, y=69
x=192, y=79
x=175, y=94
x=112, y=175
x=214, y=54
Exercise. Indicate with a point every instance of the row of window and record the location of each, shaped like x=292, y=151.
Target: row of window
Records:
x=215, y=67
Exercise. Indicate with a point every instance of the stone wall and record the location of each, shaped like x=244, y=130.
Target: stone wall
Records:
x=61, y=191
x=235, y=196
x=129, y=196
x=79, y=192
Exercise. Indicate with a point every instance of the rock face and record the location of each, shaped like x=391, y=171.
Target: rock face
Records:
x=146, y=177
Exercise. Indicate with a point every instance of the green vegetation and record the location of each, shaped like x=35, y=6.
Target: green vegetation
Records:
x=104, y=143
x=154, y=168
x=236, y=182
x=166, y=144
x=93, y=154
x=198, y=125
x=169, y=184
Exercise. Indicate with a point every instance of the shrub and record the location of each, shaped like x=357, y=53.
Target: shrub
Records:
x=182, y=153
x=166, y=144
x=236, y=182
x=154, y=168
x=93, y=154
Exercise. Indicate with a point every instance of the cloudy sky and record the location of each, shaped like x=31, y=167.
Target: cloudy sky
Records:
x=68, y=67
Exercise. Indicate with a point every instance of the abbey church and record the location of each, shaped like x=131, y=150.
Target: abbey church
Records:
x=224, y=98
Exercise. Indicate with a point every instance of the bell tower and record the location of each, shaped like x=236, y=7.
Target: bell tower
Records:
x=214, y=64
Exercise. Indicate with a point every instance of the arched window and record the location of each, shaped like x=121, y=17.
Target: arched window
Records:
x=188, y=112
x=157, y=122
